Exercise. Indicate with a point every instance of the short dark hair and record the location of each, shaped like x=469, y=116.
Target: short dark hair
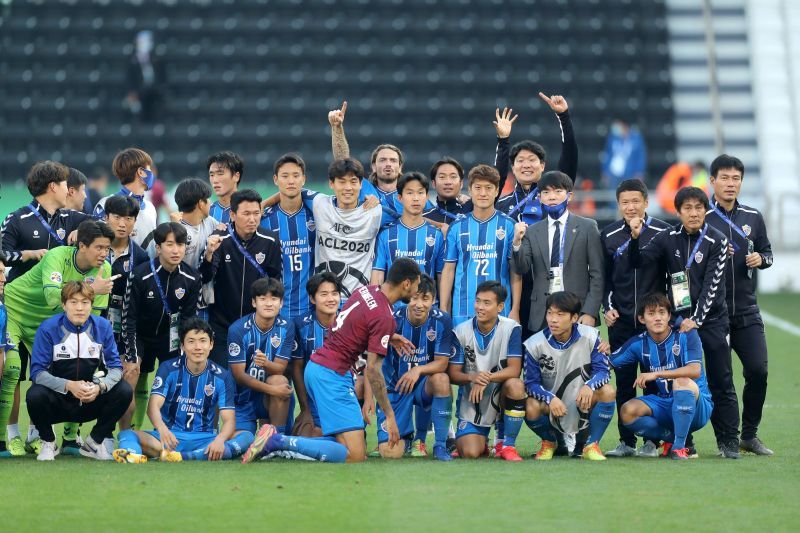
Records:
x=726, y=161
x=163, y=230
x=342, y=167
x=128, y=161
x=493, y=286
x=632, y=185
x=229, y=160
x=555, y=179
x=76, y=178
x=653, y=300
x=446, y=160
x=315, y=281
x=405, y=179
x=89, y=230
x=483, y=173
x=42, y=174
x=530, y=146
x=427, y=285
x=564, y=301
x=291, y=157
x=191, y=191
x=265, y=286
x=245, y=195
x=121, y=205
x=403, y=269
x=195, y=324
x=690, y=193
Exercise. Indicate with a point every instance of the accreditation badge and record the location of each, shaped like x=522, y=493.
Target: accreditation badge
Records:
x=174, y=337
x=556, y=279
x=681, y=297
x=115, y=313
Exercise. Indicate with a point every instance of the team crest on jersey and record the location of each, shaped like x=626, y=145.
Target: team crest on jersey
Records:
x=501, y=233
x=92, y=350
x=747, y=229
x=385, y=341
x=89, y=279
x=134, y=232
x=469, y=354
x=125, y=265
x=275, y=341
x=431, y=334
x=61, y=233
x=676, y=350
x=233, y=349
x=678, y=253
x=179, y=293
x=698, y=257
x=55, y=277
x=462, y=424
x=157, y=382
x=209, y=389
x=429, y=240
x=260, y=257
x=311, y=225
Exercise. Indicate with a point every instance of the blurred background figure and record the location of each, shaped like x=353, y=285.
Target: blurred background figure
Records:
x=625, y=156
x=676, y=177
x=146, y=79
x=95, y=188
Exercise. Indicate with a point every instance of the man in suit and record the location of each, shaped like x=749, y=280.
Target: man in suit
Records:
x=562, y=253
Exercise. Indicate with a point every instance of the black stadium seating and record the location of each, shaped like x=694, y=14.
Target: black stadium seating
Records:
x=259, y=76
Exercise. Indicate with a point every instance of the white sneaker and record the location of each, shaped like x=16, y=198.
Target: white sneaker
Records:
x=622, y=450
x=109, y=445
x=93, y=450
x=48, y=452
x=569, y=441
x=648, y=449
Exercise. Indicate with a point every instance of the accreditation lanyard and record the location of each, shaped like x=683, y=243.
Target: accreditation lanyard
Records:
x=700, y=238
x=245, y=253
x=624, y=245
x=739, y=231
x=46, y=225
x=160, y=288
x=522, y=203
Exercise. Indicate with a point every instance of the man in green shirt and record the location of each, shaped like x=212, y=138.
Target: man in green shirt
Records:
x=35, y=297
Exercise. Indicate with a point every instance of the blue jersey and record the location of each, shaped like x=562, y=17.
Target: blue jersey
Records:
x=245, y=338
x=309, y=335
x=677, y=350
x=481, y=251
x=220, y=213
x=5, y=340
x=297, y=233
x=424, y=244
x=434, y=338
x=191, y=402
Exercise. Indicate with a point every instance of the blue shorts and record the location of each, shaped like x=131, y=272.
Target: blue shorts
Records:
x=248, y=415
x=468, y=428
x=403, y=407
x=188, y=441
x=332, y=400
x=662, y=410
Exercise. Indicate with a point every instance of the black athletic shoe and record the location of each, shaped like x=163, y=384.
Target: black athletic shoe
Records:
x=692, y=452
x=755, y=446
x=70, y=447
x=729, y=450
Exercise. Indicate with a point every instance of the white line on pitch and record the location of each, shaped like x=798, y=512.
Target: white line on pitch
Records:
x=780, y=323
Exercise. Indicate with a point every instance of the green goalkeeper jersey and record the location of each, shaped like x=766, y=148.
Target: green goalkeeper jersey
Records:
x=36, y=295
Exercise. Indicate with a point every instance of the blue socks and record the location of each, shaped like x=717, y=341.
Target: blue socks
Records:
x=128, y=440
x=541, y=426
x=599, y=419
x=422, y=421
x=513, y=416
x=647, y=427
x=320, y=448
x=440, y=412
x=233, y=448
x=683, y=402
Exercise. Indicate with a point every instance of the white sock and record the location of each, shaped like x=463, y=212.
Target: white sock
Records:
x=451, y=431
x=33, y=433
x=12, y=431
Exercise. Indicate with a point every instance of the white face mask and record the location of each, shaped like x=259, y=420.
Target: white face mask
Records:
x=144, y=43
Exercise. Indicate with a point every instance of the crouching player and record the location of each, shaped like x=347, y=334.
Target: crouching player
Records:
x=259, y=349
x=419, y=380
x=567, y=377
x=673, y=361
x=188, y=393
x=487, y=370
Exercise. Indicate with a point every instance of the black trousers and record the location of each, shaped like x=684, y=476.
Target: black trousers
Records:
x=750, y=344
x=525, y=306
x=719, y=373
x=219, y=353
x=47, y=407
x=618, y=335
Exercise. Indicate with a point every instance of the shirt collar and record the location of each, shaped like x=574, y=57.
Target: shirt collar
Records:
x=127, y=192
x=562, y=219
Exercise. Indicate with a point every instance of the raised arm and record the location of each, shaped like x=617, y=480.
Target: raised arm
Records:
x=568, y=160
x=502, y=124
x=339, y=146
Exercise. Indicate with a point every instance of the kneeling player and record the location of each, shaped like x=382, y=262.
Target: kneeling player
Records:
x=491, y=359
x=187, y=394
x=419, y=380
x=673, y=361
x=567, y=377
x=259, y=348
